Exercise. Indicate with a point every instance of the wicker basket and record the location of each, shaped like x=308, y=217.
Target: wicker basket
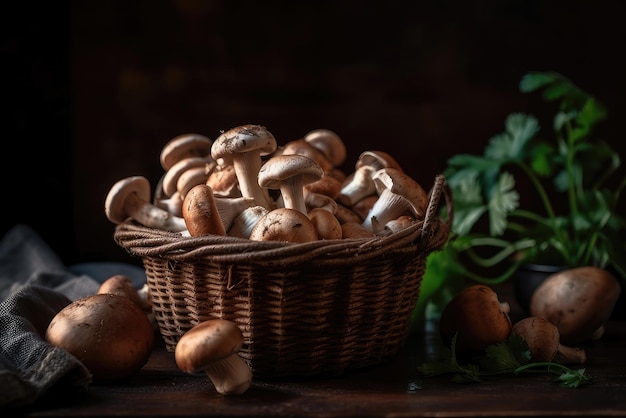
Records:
x=318, y=308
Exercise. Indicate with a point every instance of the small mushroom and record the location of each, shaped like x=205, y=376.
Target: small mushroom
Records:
x=108, y=333
x=358, y=186
x=301, y=147
x=200, y=212
x=122, y=285
x=223, y=181
x=377, y=160
x=290, y=173
x=398, y=194
x=212, y=346
x=327, y=225
x=399, y=224
x=130, y=198
x=171, y=176
x=244, y=146
x=191, y=178
x=184, y=146
x=329, y=143
x=477, y=318
x=543, y=340
x=579, y=301
x=286, y=225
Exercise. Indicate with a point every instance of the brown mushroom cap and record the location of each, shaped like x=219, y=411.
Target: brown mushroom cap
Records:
x=108, y=333
x=579, y=301
x=477, y=317
x=206, y=343
x=184, y=146
x=170, y=178
x=244, y=146
x=377, y=159
x=122, y=285
x=329, y=143
x=284, y=224
x=200, y=212
x=212, y=346
x=290, y=173
x=543, y=340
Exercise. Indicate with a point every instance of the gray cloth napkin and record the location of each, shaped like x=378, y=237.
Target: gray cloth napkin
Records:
x=34, y=286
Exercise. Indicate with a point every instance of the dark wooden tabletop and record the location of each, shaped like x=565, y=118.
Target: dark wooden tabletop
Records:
x=393, y=389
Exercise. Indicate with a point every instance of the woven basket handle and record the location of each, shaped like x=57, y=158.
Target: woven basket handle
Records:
x=440, y=187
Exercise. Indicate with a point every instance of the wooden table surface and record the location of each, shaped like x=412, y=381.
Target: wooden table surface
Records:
x=393, y=389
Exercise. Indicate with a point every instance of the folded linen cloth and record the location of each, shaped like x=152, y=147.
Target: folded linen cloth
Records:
x=34, y=286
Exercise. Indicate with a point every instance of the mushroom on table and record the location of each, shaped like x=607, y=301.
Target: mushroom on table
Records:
x=212, y=346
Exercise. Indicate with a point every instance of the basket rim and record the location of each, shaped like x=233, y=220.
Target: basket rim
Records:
x=428, y=235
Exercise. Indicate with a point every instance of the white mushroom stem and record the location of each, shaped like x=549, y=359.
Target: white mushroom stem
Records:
x=389, y=206
x=358, y=187
x=244, y=223
x=290, y=173
x=230, y=375
x=229, y=208
x=130, y=197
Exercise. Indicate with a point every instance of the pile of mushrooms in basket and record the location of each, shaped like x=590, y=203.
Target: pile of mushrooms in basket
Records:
x=244, y=184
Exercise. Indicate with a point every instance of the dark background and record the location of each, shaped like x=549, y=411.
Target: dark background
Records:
x=94, y=89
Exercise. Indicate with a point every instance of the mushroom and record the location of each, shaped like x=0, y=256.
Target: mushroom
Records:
x=200, y=212
x=244, y=146
x=329, y=143
x=363, y=206
x=326, y=224
x=345, y=214
x=301, y=147
x=322, y=201
x=399, y=224
x=223, y=181
x=398, y=194
x=130, y=197
x=543, y=340
x=108, y=333
x=377, y=160
x=284, y=224
x=477, y=318
x=122, y=285
x=184, y=146
x=579, y=301
x=327, y=185
x=358, y=186
x=191, y=178
x=212, y=346
x=171, y=176
x=290, y=173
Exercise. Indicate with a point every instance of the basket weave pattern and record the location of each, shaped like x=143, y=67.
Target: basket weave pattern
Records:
x=322, y=307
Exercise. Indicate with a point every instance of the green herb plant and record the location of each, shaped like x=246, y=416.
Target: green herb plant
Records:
x=511, y=357
x=571, y=176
